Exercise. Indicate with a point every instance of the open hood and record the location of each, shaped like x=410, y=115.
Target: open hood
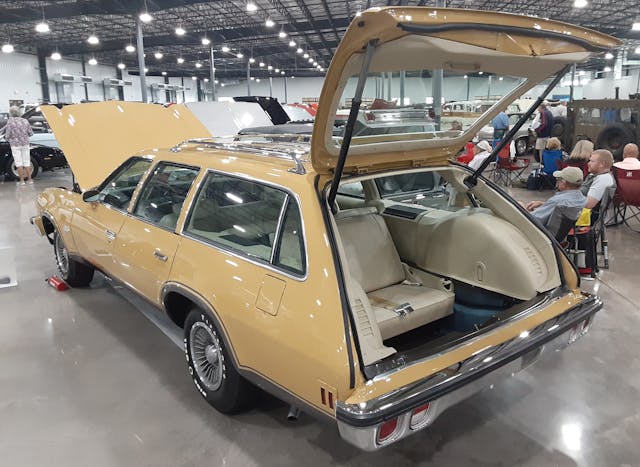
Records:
x=97, y=137
x=411, y=41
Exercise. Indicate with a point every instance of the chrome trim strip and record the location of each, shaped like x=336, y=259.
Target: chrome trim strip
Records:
x=482, y=363
x=279, y=228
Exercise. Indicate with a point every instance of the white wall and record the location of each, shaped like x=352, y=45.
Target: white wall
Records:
x=297, y=88
x=20, y=79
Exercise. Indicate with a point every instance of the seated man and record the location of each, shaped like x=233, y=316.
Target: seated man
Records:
x=568, y=197
x=599, y=178
x=629, y=158
x=481, y=151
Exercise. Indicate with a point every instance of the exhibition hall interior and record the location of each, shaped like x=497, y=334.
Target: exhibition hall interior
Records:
x=321, y=232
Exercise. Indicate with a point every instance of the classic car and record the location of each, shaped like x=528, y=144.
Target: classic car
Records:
x=42, y=158
x=524, y=138
x=368, y=279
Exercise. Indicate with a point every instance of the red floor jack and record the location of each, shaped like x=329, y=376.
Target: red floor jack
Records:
x=57, y=283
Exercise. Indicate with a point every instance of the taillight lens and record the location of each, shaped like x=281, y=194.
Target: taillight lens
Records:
x=386, y=430
x=419, y=416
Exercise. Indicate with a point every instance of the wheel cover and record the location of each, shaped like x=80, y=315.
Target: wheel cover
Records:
x=206, y=356
x=14, y=170
x=521, y=146
x=62, y=257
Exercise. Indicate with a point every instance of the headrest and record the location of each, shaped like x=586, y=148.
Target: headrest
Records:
x=356, y=212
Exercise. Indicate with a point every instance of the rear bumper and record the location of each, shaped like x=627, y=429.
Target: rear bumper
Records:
x=358, y=423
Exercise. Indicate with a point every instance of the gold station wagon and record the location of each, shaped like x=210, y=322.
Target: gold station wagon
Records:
x=368, y=279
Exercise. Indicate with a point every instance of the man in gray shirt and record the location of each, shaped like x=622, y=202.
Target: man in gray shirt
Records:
x=568, y=198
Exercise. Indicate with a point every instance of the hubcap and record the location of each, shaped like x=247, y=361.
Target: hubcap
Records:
x=206, y=356
x=62, y=257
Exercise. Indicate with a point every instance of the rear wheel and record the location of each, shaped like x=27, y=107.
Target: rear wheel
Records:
x=210, y=365
x=73, y=272
x=614, y=138
x=522, y=146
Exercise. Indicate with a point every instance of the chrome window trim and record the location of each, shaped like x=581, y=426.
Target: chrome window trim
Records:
x=283, y=209
x=268, y=265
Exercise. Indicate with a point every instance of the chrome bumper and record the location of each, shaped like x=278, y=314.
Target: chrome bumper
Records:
x=36, y=221
x=359, y=423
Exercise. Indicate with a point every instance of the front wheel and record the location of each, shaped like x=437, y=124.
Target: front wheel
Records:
x=210, y=366
x=73, y=272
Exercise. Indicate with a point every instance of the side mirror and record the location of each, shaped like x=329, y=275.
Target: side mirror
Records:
x=90, y=195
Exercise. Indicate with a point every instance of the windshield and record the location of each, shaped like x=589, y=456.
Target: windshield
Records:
x=402, y=103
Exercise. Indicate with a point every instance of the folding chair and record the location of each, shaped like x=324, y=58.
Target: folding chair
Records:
x=627, y=198
x=506, y=170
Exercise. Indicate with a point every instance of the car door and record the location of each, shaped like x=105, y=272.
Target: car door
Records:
x=147, y=241
x=97, y=222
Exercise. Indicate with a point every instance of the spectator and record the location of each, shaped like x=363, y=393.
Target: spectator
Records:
x=581, y=151
x=599, y=178
x=500, y=124
x=629, y=158
x=17, y=132
x=543, y=130
x=551, y=156
x=568, y=182
x=481, y=151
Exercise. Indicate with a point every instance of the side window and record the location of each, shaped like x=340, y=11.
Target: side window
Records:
x=238, y=214
x=290, y=249
x=161, y=198
x=118, y=189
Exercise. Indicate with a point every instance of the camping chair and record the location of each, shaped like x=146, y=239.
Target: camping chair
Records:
x=627, y=197
x=506, y=170
x=561, y=221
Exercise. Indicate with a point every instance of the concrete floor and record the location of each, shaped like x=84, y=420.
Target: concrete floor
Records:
x=87, y=380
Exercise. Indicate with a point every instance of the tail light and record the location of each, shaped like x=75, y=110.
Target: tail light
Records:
x=419, y=417
x=387, y=430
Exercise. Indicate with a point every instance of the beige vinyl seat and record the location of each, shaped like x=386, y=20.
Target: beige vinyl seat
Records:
x=373, y=262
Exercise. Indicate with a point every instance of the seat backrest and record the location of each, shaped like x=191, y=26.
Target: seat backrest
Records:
x=371, y=254
x=628, y=182
x=561, y=221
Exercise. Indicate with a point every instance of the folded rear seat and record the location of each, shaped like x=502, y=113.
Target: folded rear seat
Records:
x=374, y=263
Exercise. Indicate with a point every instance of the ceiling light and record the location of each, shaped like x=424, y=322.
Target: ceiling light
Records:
x=205, y=41
x=122, y=66
x=222, y=84
x=180, y=31
x=198, y=65
x=146, y=70
x=269, y=23
x=158, y=55
x=321, y=69
x=164, y=73
x=306, y=55
x=358, y=13
x=215, y=81
x=93, y=39
x=225, y=48
x=315, y=63
x=637, y=51
x=607, y=69
x=501, y=78
x=93, y=61
x=257, y=80
x=310, y=60
x=194, y=78
x=251, y=7
x=7, y=48
x=465, y=76
x=481, y=73
x=269, y=67
x=282, y=34
x=292, y=44
x=292, y=77
x=239, y=55
x=56, y=56
x=206, y=80
x=252, y=60
x=253, y=78
x=608, y=55
x=180, y=60
x=42, y=27
x=299, y=50
x=636, y=25
x=145, y=17
x=580, y=3
x=582, y=73
x=282, y=72
x=261, y=64
x=277, y=70
x=130, y=48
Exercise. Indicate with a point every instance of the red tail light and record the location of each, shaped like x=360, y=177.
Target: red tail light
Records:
x=386, y=430
x=419, y=416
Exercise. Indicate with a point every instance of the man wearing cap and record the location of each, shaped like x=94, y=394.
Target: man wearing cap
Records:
x=568, y=197
x=481, y=151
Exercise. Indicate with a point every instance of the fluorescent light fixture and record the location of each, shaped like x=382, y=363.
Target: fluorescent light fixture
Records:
x=180, y=60
x=205, y=41
x=225, y=48
x=608, y=55
x=251, y=7
x=269, y=23
x=7, y=48
x=42, y=27
x=130, y=48
x=252, y=60
x=93, y=39
x=198, y=65
x=292, y=43
x=56, y=56
x=282, y=34
x=158, y=55
x=580, y=3
x=180, y=31
x=93, y=61
x=239, y=55
x=145, y=17
x=122, y=66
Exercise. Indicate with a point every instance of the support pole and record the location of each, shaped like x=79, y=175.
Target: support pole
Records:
x=212, y=73
x=403, y=75
x=573, y=77
x=270, y=86
x=436, y=83
x=248, y=78
x=44, y=77
x=84, y=73
x=141, y=66
x=286, y=99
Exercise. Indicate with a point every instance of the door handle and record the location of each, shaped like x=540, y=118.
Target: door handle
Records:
x=159, y=255
x=110, y=235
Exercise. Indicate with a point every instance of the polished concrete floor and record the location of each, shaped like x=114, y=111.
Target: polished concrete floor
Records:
x=86, y=379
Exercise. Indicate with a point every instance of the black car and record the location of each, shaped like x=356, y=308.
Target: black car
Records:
x=42, y=158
